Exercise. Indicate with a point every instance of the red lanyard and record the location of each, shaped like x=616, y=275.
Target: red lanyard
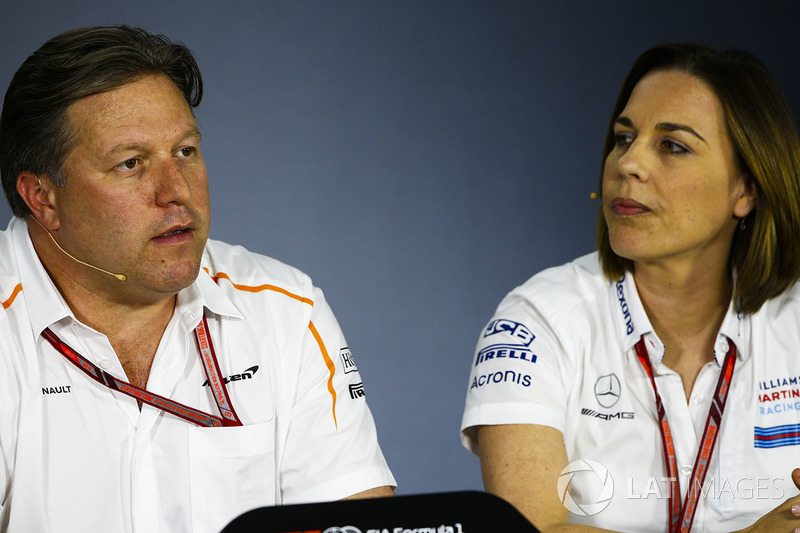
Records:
x=682, y=516
x=196, y=416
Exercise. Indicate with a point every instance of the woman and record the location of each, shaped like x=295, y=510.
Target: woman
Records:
x=596, y=383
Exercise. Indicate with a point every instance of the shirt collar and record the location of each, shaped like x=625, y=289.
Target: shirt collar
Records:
x=632, y=323
x=629, y=314
x=46, y=306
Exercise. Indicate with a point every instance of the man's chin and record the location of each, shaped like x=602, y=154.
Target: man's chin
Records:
x=174, y=279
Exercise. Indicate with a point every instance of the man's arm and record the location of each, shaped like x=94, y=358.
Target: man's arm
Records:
x=377, y=492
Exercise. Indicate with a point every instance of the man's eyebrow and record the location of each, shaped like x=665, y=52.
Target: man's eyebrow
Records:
x=664, y=126
x=191, y=132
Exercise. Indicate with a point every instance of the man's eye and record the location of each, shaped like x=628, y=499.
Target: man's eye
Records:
x=129, y=164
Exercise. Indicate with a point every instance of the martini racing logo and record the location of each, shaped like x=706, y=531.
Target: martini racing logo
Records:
x=779, y=395
x=513, y=341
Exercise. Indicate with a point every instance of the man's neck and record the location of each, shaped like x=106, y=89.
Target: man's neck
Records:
x=133, y=326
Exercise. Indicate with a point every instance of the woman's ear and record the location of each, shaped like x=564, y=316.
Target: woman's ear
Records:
x=748, y=198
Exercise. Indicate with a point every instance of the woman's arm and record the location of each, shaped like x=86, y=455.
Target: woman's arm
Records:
x=521, y=463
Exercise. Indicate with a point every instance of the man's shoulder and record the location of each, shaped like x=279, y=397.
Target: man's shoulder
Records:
x=9, y=269
x=250, y=271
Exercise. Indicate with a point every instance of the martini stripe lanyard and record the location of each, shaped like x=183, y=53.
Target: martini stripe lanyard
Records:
x=682, y=516
x=210, y=364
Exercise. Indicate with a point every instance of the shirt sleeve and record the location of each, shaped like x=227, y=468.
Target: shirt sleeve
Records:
x=332, y=447
x=520, y=372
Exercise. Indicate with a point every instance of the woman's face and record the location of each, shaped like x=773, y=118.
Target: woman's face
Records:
x=671, y=189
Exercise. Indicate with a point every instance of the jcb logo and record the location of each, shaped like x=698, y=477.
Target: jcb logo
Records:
x=514, y=329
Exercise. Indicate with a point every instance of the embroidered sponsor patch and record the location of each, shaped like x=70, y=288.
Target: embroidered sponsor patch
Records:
x=61, y=389
x=623, y=306
x=348, y=364
x=247, y=374
x=607, y=390
x=513, y=341
x=777, y=436
x=357, y=390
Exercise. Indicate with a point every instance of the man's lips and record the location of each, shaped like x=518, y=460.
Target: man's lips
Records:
x=175, y=232
x=628, y=207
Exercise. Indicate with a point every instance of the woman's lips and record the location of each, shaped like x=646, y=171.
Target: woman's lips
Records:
x=628, y=207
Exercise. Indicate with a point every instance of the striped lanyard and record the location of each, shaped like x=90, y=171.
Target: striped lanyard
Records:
x=682, y=516
x=213, y=373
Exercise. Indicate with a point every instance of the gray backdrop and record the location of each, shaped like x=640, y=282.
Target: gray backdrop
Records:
x=418, y=159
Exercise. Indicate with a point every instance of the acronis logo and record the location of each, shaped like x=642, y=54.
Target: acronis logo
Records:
x=623, y=305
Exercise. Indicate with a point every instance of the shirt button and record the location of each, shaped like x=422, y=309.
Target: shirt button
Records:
x=686, y=470
x=104, y=364
x=721, y=347
x=699, y=399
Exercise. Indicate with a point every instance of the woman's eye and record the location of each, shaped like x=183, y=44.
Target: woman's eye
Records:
x=623, y=138
x=674, y=148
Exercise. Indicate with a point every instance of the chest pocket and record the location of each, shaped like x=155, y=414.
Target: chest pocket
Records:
x=232, y=470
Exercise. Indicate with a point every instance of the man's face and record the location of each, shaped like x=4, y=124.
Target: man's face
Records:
x=136, y=199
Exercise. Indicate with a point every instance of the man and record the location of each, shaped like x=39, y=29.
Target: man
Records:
x=151, y=380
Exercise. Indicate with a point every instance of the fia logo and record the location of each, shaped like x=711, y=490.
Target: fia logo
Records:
x=607, y=390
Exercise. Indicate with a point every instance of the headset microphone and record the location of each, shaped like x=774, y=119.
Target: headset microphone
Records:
x=121, y=277
x=593, y=195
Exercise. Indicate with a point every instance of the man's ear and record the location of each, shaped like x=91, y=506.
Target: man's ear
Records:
x=38, y=193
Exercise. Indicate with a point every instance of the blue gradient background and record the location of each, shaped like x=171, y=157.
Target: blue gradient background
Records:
x=418, y=159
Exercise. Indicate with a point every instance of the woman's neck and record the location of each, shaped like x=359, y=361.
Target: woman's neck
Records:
x=686, y=307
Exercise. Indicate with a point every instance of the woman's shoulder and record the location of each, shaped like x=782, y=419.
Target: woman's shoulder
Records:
x=563, y=288
x=788, y=302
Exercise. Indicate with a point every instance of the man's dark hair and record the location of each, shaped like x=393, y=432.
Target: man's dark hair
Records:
x=35, y=133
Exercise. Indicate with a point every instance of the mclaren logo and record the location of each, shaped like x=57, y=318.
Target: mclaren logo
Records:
x=607, y=390
x=247, y=374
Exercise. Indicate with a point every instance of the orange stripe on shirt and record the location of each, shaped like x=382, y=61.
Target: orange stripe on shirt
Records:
x=259, y=288
x=331, y=368
x=13, y=296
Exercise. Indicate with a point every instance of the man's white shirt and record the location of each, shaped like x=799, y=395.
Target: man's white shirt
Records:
x=559, y=352
x=78, y=456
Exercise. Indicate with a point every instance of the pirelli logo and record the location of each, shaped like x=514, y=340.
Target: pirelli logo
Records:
x=357, y=390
